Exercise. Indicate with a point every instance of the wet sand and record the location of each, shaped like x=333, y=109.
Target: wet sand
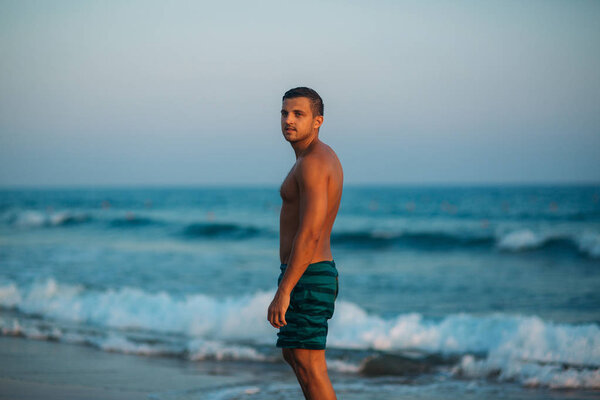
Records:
x=39, y=369
x=32, y=369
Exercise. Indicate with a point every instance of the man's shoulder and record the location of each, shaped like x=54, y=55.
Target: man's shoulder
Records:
x=322, y=159
x=311, y=167
x=322, y=156
x=317, y=167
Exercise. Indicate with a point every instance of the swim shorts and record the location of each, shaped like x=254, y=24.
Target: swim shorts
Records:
x=311, y=305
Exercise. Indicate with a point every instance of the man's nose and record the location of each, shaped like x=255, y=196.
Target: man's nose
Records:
x=289, y=119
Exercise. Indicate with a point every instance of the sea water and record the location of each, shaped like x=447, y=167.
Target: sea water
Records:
x=469, y=290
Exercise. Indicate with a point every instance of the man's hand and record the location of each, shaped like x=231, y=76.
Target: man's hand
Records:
x=277, y=309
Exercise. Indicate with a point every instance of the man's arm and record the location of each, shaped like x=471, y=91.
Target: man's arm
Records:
x=312, y=185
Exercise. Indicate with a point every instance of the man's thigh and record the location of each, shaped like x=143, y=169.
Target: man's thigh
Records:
x=308, y=358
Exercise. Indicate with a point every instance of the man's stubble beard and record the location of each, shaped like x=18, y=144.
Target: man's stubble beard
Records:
x=297, y=137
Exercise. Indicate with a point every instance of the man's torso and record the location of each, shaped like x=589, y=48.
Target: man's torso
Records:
x=290, y=209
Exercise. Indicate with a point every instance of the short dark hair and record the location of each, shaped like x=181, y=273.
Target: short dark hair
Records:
x=316, y=102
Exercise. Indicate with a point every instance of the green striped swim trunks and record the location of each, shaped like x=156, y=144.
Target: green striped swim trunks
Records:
x=311, y=305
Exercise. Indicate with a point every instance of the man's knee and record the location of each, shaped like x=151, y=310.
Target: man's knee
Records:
x=288, y=356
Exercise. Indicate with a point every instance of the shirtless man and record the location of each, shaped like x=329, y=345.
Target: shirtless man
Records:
x=308, y=282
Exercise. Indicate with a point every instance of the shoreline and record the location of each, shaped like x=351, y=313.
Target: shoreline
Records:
x=39, y=369
x=36, y=369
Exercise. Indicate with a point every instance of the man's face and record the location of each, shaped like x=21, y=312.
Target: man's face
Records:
x=297, y=122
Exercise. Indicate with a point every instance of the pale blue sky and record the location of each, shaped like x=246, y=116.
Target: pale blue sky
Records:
x=144, y=92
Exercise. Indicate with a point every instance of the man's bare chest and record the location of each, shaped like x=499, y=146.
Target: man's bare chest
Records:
x=289, y=188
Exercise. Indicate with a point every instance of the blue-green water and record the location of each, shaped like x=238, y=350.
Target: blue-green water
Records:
x=498, y=281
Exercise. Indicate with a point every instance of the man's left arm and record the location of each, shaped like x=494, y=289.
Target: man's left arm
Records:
x=312, y=185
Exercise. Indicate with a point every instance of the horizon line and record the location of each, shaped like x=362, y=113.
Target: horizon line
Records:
x=268, y=185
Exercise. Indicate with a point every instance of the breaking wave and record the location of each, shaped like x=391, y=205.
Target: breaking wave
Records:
x=197, y=327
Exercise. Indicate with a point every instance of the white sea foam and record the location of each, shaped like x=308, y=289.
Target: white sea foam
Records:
x=193, y=349
x=343, y=366
x=35, y=218
x=528, y=373
x=29, y=218
x=589, y=243
x=542, y=353
x=119, y=343
x=520, y=240
x=520, y=347
x=202, y=349
x=195, y=315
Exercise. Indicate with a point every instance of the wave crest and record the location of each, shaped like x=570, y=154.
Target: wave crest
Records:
x=520, y=347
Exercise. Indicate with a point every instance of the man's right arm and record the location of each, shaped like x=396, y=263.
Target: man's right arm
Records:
x=312, y=184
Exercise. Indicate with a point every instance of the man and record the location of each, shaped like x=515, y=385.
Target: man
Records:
x=308, y=283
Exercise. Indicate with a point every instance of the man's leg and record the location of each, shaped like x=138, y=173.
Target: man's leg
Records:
x=288, y=356
x=311, y=370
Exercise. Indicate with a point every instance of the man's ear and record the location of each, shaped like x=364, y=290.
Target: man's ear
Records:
x=318, y=121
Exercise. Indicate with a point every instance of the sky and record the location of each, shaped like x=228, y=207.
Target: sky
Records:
x=189, y=92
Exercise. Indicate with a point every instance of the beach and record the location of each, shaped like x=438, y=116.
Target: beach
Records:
x=163, y=163
x=162, y=293
x=33, y=369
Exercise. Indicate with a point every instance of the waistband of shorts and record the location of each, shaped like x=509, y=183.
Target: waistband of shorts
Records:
x=330, y=262
x=318, y=266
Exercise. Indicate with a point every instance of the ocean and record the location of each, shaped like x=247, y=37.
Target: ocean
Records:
x=466, y=290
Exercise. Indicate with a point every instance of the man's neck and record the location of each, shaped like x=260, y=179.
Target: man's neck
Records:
x=302, y=147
